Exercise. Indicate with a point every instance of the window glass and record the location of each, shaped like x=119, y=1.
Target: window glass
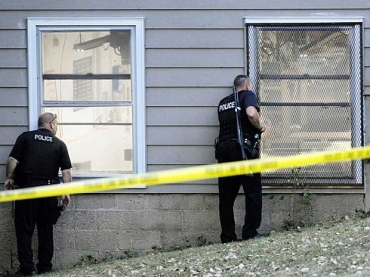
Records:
x=86, y=52
x=87, y=90
x=91, y=72
x=99, y=139
x=87, y=83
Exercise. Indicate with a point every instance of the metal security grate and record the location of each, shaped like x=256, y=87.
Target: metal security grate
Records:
x=308, y=81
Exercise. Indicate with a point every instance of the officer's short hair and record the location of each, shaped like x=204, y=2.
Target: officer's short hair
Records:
x=240, y=80
x=46, y=118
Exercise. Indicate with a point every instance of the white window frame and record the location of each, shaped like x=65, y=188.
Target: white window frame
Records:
x=36, y=25
x=319, y=20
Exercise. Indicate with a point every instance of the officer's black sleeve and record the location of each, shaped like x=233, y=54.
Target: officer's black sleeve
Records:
x=19, y=147
x=65, y=161
x=250, y=99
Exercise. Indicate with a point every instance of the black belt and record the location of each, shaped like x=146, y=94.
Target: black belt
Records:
x=246, y=141
x=42, y=181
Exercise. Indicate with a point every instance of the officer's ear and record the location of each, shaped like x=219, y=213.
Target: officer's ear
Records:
x=54, y=126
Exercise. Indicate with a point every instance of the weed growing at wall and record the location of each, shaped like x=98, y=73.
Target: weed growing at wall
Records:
x=173, y=247
x=200, y=241
x=87, y=260
x=362, y=214
x=109, y=257
x=131, y=254
x=298, y=182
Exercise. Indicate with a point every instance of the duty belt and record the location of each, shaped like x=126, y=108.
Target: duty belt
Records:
x=42, y=181
x=246, y=141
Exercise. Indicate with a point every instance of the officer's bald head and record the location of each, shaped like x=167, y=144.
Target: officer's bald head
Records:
x=48, y=121
x=46, y=118
x=241, y=81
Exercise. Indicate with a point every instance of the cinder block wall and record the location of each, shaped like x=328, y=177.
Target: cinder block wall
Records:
x=7, y=237
x=101, y=225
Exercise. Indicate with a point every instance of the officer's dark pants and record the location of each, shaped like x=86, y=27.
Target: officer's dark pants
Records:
x=28, y=214
x=228, y=191
x=229, y=151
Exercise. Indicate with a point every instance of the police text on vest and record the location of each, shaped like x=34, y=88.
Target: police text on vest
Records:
x=43, y=138
x=226, y=106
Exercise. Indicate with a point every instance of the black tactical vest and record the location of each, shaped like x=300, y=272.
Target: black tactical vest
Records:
x=227, y=118
x=40, y=155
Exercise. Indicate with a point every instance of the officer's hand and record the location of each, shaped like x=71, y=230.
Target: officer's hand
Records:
x=9, y=182
x=66, y=199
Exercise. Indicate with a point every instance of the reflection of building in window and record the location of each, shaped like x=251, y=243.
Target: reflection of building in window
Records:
x=82, y=89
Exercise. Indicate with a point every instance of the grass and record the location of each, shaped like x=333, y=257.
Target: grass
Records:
x=332, y=249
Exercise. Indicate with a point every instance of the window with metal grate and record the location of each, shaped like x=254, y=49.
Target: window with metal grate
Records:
x=308, y=82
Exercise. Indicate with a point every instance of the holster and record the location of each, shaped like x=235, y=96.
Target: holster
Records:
x=229, y=150
x=57, y=212
x=251, y=149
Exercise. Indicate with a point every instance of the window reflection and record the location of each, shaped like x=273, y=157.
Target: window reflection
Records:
x=87, y=82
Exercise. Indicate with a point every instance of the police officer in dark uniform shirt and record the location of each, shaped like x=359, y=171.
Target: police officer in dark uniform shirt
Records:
x=35, y=160
x=227, y=150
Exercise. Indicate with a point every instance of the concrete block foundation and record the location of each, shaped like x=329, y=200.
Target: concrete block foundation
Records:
x=98, y=225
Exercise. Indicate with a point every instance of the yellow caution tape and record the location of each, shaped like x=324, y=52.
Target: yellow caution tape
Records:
x=187, y=174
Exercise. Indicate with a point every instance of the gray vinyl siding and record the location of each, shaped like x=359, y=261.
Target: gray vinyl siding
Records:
x=18, y=116
x=9, y=134
x=13, y=58
x=13, y=97
x=175, y=97
x=194, y=58
x=13, y=77
x=173, y=5
x=193, y=50
x=180, y=137
x=13, y=39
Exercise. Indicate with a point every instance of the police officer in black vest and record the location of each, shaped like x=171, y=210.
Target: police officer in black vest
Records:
x=228, y=149
x=35, y=160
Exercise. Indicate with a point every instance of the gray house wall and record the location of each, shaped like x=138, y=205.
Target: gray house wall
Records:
x=193, y=51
